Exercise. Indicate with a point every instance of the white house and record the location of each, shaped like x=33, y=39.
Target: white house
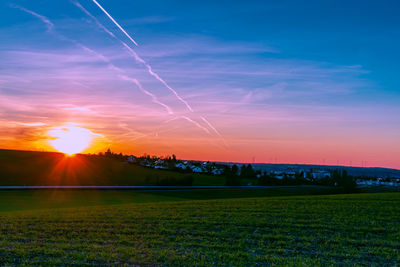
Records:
x=181, y=166
x=145, y=163
x=197, y=169
x=217, y=171
x=320, y=174
x=159, y=162
x=160, y=167
x=131, y=159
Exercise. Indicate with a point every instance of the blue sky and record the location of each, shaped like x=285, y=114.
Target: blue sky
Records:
x=289, y=79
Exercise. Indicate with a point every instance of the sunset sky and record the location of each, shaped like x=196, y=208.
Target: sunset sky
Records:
x=278, y=81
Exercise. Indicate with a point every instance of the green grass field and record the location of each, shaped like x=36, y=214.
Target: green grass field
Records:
x=28, y=200
x=240, y=228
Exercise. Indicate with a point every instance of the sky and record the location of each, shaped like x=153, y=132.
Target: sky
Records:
x=312, y=82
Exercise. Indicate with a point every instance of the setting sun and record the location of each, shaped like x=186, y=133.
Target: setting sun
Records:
x=70, y=139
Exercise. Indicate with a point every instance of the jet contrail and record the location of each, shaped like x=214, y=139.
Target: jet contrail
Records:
x=116, y=23
x=215, y=130
x=196, y=123
x=148, y=67
x=210, y=125
x=50, y=27
x=93, y=18
x=189, y=120
x=126, y=78
x=135, y=56
x=153, y=97
x=155, y=75
x=49, y=24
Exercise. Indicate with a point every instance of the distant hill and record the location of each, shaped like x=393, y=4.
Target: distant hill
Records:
x=49, y=168
x=353, y=171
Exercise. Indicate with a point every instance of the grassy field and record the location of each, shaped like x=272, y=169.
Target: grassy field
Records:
x=48, y=168
x=242, y=231
x=27, y=200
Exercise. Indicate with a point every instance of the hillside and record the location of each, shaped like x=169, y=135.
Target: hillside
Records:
x=49, y=168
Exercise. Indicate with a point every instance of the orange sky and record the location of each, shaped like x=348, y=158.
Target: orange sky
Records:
x=187, y=142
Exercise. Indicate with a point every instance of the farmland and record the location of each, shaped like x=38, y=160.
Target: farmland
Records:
x=206, y=230
x=42, y=199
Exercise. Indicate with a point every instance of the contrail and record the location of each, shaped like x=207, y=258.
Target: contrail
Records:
x=148, y=67
x=189, y=120
x=126, y=78
x=116, y=23
x=93, y=18
x=50, y=27
x=153, y=97
x=196, y=123
x=215, y=130
x=135, y=56
x=49, y=24
x=155, y=75
x=210, y=125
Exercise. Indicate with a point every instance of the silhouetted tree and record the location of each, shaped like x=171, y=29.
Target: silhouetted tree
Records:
x=108, y=153
x=231, y=175
x=234, y=169
x=346, y=182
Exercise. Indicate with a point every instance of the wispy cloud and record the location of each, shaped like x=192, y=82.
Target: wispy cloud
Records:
x=148, y=20
x=49, y=24
x=32, y=124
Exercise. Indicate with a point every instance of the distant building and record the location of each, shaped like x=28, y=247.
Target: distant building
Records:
x=181, y=166
x=145, y=163
x=377, y=182
x=159, y=162
x=197, y=169
x=131, y=159
x=217, y=171
x=320, y=175
x=160, y=167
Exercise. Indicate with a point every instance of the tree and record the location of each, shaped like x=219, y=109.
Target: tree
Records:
x=243, y=171
x=108, y=153
x=345, y=181
x=265, y=179
x=231, y=175
x=234, y=169
x=251, y=174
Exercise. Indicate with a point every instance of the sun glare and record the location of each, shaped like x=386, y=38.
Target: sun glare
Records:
x=70, y=139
